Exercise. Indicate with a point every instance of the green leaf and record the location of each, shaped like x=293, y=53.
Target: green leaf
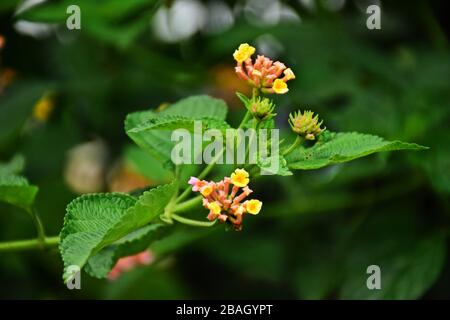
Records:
x=101, y=264
x=154, y=134
x=197, y=107
x=267, y=165
x=150, y=130
x=157, y=142
x=103, y=20
x=14, y=166
x=178, y=122
x=111, y=10
x=140, y=161
x=95, y=221
x=148, y=208
x=244, y=99
x=343, y=147
x=15, y=190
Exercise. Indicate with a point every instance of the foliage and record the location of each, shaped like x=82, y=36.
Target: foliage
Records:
x=325, y=217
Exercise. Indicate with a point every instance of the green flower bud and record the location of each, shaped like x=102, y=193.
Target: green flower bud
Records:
x=262, y=108
x=306, y=125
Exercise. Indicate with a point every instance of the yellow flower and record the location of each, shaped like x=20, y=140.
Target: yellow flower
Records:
x=244, y=52
x=289, y=74
x=279, y=86
x=43, y=108
x=253, y=206
x=206, y=190
x=215, y=208
x=240, y=178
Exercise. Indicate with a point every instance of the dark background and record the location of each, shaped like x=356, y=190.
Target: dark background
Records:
x=318, y=230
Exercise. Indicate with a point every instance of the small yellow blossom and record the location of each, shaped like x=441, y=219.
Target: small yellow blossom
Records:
x=244, y=52
x=253, y=206
x=43, y=108
x=289, y=74
x=279, y=86
x=240, y=178
x=214, y=207
x=206, y=190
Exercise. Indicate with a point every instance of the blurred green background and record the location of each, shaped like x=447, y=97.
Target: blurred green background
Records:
x=64, y=95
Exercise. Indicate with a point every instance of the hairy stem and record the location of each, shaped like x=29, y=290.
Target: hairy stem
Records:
x=22, y=245
x=210, y=166
x=39, y=227
x=294, y=145
x=191, y=222
x=186, y=205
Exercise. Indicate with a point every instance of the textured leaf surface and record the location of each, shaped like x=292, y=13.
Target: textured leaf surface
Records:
x=16, y=191
x=95, y=221
x=343, y=147
x=197, y=107
x=178, y=122
x=274, y=166
x=151, y=130
x=157, y=142
x=101, y=263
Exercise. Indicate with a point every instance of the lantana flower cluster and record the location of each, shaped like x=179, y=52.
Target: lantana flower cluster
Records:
x=225, y=199
x=263, y=74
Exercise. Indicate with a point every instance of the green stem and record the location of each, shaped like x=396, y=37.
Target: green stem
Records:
x=294, y=145
x=255, y=125
x=39, y=227
x=21, y=245
x=189, y=204
x=210, y=166
x=245, y=119
x=191, y=222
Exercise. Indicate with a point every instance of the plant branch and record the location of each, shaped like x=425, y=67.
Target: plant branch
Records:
x=294, y=145
x=22, y=245
x=189, y=204
x=191, y=222
x=210, y=166
x=39, y=227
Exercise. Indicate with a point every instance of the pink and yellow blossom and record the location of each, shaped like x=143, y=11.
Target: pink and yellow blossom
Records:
x=262, y=73
x=225, y=199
